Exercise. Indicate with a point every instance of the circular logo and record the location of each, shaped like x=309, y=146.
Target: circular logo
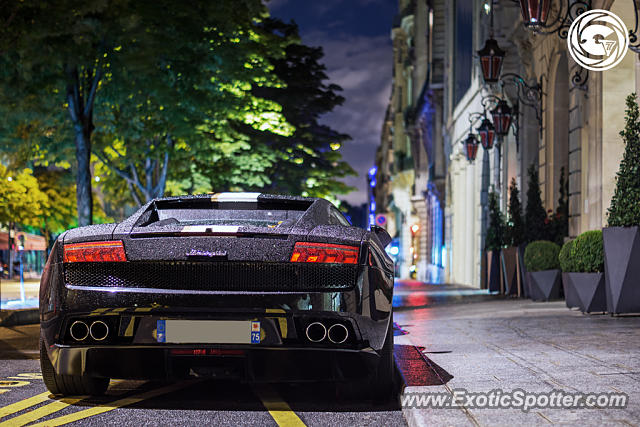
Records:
x=598, y=40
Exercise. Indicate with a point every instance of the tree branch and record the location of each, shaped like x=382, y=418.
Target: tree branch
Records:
x=136, y=198
x=120, y=172
x=162, y=180
x=92, y=92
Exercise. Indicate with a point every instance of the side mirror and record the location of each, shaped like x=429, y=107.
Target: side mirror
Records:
x=382, y=235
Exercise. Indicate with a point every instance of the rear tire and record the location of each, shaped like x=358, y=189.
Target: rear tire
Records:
x=379, y=386
x=69, y=385
x=382, y=382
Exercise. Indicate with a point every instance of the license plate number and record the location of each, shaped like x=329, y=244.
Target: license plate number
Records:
x=208, y=331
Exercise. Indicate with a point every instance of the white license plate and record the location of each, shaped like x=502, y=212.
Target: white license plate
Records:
x=208, y=331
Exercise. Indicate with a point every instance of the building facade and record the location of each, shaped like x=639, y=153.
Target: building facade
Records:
x=570, y=121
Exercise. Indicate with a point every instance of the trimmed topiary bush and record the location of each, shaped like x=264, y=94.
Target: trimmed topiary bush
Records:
x=541, y=255
x=535, y=217
x=585, y=254
x=567, y=262
x=588, y=252
x=495, y=232
x=514, y=233
x=625, y=204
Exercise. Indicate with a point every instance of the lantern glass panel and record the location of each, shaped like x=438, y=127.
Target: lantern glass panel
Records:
x=491, y=58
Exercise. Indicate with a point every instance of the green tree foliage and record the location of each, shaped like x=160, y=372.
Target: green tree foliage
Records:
x=187, y=112
x=496, y=230
x=308, y=161
x=624, y=210
x=22, y=200
x=103, y=70
x=59, y=187
x=514, y=232
x=535, y=217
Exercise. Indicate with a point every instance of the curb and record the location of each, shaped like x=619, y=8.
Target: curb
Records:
x=28, y=316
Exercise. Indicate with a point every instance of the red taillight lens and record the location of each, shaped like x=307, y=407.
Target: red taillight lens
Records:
x=95, y=252
x=324, y=253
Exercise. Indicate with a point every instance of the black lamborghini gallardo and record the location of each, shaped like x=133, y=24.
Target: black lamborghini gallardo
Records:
x=242, y=285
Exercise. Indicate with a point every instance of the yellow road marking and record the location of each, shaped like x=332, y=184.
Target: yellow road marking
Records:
x=23, y=404
x=43, y=411
x=279, y=410
x=110, y=406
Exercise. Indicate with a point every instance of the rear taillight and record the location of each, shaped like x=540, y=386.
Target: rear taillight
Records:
x=324, y=253
x=95, y=252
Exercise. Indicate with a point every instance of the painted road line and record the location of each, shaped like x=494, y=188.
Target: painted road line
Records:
x=279, y=410
x=23, y=404
x=110, y=406
x=41, y=412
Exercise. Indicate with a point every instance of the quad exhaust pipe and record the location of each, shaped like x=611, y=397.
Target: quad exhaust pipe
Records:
x=79, y=330
x=336, y=334
x=316, y=332
x=99, y=330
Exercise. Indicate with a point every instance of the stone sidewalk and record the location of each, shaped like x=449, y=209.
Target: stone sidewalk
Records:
x=512, y=344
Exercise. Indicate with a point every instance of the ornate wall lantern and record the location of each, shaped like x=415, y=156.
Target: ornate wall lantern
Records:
x=487, y=134
x=535, y=12
x=502, y=116
x=470, y=147
x=491, y=58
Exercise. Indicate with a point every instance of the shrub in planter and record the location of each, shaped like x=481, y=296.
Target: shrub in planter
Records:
x=582, y=263
x=543, y=275
x=541, y=255
x=567, y=265
x=622, y=237
x=494, y=243
x=513, y=238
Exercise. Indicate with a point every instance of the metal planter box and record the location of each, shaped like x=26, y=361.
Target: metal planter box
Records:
x=622, y=269
x=588, y=289
x=544, y=285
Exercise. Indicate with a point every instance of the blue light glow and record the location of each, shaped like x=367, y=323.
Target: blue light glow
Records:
x=372, y=207
x=373, y=171
x=372, y=183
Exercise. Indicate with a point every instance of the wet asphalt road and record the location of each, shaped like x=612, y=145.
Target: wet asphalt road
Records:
x=25, y=401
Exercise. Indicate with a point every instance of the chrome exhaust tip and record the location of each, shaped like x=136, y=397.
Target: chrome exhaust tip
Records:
x=338, y=333
x=99, y=330
x=316, y=332
x=79, y=330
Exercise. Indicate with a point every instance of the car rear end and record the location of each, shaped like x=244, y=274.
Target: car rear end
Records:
x=260, y=289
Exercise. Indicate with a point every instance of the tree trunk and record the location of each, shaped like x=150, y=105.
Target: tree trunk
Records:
x=81, y=91
x=84, y=195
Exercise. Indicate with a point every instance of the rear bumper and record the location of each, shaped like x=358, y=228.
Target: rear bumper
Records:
x=265, y=364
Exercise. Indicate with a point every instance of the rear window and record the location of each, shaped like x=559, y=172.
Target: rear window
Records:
x=205, y=212
x=244, y=218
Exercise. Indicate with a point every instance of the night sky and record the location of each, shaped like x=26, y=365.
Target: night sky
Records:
x=355, y=35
